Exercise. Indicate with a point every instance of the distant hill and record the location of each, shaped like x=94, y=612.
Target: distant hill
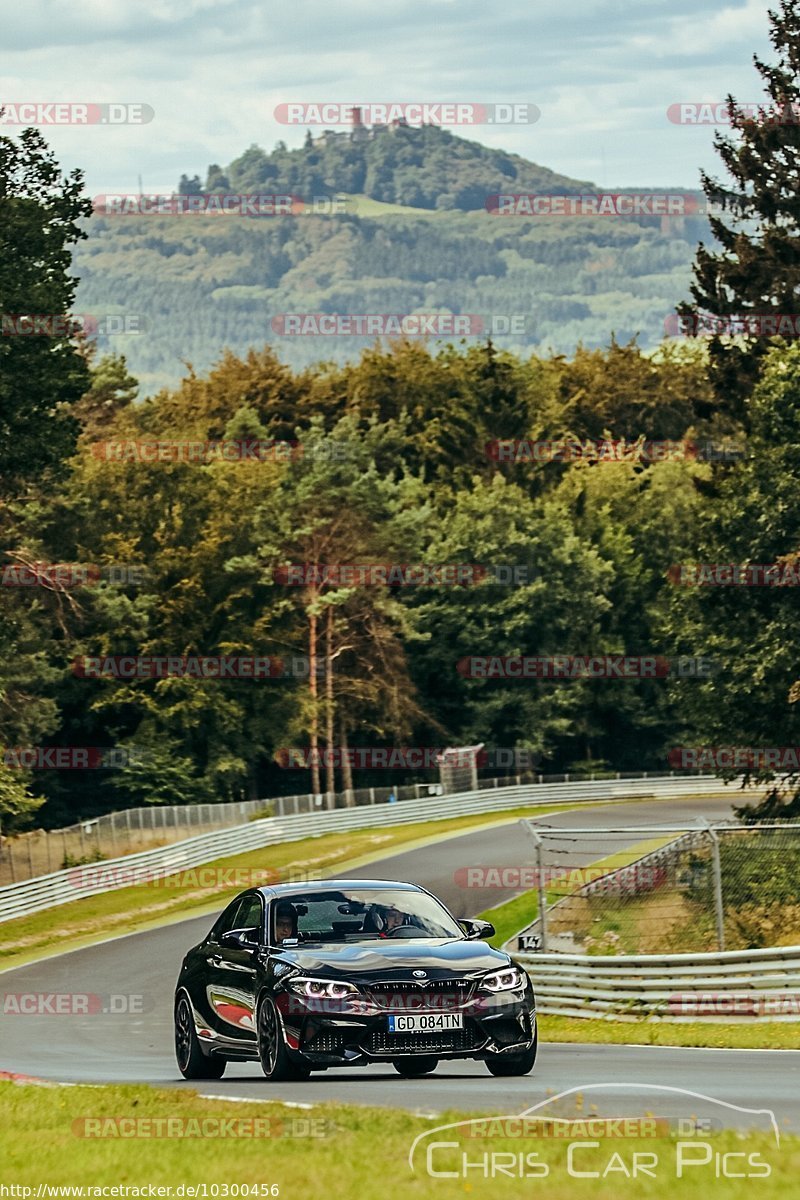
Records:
x=417, y=167
x=415, y=236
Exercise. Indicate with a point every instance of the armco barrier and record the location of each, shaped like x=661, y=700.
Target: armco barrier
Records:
x=738, y=985
x=47, y=891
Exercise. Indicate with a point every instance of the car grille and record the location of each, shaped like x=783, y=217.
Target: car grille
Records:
x=451, y=1040
x=439, y=995
x=328, y=1042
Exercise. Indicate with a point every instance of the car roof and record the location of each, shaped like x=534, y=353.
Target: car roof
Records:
x=284, y=890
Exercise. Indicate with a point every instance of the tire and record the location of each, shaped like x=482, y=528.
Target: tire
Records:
x=273, y=1055
x=192, y=1062
x=413, y=1068
x=513, y=1064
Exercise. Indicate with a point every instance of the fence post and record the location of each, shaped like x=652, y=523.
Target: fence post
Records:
x=542, y=892
x=540, y=883
x=372, y=795
x=113, y=836
x=717, y=868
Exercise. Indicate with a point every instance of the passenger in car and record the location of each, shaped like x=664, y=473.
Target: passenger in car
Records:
x=285, y=922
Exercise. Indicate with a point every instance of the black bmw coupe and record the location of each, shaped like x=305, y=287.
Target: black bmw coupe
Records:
x=344, y=973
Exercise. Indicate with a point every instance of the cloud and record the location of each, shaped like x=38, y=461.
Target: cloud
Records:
x=603, y=72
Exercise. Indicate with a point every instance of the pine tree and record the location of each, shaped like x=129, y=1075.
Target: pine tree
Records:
x=757, y=222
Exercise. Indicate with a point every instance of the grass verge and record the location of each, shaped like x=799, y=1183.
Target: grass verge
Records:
x=363, y=1152
x=758, y=1035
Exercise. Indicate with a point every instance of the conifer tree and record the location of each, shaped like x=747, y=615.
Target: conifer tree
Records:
x=756, y=221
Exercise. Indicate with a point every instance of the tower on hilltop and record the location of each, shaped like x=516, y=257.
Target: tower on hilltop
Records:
x=359, y=130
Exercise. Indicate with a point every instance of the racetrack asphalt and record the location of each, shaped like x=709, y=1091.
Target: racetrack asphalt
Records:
x=136, y=1046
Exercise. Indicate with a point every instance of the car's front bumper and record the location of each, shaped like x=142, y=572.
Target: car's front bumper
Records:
x=352, y=1031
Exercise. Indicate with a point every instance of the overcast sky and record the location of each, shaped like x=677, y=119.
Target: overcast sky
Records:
x=603, y=73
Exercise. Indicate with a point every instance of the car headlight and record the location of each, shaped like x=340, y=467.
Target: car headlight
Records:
x=504, y=980
x=321, y=989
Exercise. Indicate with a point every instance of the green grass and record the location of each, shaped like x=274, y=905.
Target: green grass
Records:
x=146, y=905
x=756, y=1035
x=363, y=1153
x=365, y=206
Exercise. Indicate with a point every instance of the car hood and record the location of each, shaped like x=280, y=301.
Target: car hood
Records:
x=439, y=957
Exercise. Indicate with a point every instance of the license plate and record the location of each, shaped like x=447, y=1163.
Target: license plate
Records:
x=426, y=1023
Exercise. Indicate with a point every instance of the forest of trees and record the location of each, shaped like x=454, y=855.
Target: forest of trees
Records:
x=199, y=285
x=393, y=463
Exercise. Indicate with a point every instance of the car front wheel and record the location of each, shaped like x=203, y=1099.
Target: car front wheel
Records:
x=513, y=1064
x=192, y=1062
x=275, y=1061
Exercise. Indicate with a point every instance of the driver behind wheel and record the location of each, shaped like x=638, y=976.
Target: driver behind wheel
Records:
x=394, y=919
x=383, y=918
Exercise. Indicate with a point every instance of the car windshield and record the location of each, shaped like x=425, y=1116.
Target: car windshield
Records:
x=362, y=914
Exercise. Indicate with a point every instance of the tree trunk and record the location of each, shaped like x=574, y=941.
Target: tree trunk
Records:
x=330, y=775
x=347, y=770
x=312, y=685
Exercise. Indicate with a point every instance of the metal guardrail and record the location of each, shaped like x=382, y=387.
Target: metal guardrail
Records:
x=738, y=985
x=31, y=853
x=62, y=887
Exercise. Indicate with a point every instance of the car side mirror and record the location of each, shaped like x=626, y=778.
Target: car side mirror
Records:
x=477, y=929
x=240, y=939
